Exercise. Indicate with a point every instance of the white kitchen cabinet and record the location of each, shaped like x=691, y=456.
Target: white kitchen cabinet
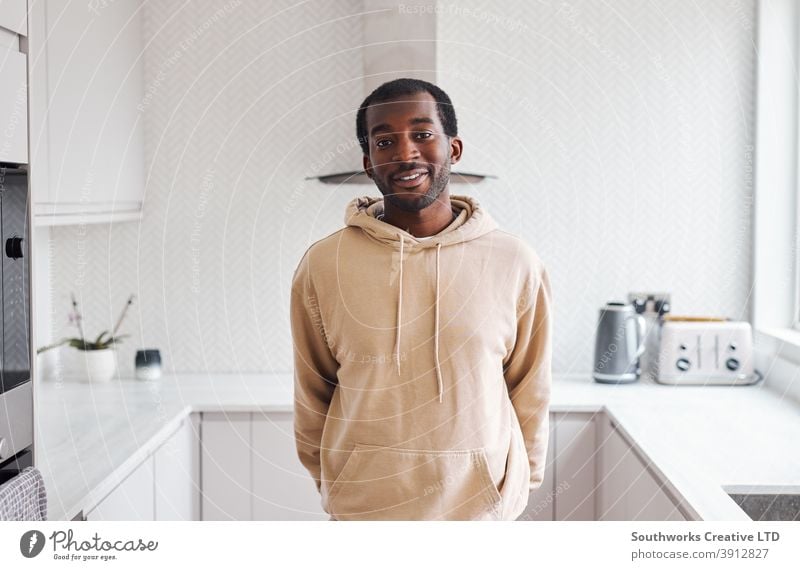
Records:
x=282, y=487
x=619, y=468
x=13, y=106
x=131, y=500
x=250, y=469
x=86, y=131
x=165, y=486
x=226, y=464
x=541, y=501
x=14, y=16
x=627, y=489
x=653, y=503
x=575, y=477
x=177, y=474
x=568, y=489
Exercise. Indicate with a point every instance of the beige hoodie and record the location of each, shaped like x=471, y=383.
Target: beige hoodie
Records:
x=422, y=368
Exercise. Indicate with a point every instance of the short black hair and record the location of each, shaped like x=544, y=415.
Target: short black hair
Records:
x=406, y=86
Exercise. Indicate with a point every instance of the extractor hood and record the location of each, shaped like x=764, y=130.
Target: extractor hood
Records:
x=360, y=177
x=396, y=44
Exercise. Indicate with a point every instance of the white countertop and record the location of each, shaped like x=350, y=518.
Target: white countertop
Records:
x=91, y=436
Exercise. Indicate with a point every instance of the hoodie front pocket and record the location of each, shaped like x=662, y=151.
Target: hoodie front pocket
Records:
x=389, y=483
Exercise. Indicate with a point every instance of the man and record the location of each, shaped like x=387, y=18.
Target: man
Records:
x=422, y=336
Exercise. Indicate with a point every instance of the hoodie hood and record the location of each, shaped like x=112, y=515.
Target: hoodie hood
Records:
x=471, y=222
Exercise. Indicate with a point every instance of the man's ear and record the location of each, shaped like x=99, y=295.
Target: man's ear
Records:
x=456, y=148
x=367, y=165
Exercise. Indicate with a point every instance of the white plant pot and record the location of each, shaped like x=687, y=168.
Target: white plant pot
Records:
x=90, y=365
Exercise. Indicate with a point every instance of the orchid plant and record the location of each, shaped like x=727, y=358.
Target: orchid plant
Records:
x=104, y=339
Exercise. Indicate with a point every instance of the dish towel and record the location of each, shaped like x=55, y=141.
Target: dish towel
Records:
x=23, y=498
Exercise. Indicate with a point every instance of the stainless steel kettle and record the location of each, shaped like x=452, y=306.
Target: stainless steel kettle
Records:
x=619, y=343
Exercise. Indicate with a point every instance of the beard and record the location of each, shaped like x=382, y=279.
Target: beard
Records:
x=436, y=186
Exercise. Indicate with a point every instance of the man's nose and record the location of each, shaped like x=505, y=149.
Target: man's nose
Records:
x=405, y=149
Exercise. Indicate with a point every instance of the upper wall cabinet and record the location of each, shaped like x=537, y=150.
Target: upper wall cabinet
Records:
x=87, y=156
x=14, y=16
x=13, y=83
x=13, y=107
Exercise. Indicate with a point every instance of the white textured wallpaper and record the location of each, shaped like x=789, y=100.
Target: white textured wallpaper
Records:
x=621, y=134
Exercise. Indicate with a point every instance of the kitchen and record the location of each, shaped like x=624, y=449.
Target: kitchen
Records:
x=181, y=158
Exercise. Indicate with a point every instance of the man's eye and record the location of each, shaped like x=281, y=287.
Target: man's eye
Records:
x=424, y=135
x=380, y=144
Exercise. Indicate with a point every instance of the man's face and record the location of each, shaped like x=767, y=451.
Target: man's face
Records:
x=409, y=153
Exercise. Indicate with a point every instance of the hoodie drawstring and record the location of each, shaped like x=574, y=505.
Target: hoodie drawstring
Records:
x=439, y=381
x=436, y=327
x=399, y=309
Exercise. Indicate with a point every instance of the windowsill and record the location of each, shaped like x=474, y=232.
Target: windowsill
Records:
x=781, y=342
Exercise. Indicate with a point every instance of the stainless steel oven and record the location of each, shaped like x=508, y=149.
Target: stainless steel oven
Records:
x=16, y=388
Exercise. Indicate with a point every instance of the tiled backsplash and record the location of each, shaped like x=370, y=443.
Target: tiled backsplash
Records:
x=622, y=136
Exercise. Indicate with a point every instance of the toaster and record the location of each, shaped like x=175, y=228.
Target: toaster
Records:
x=706, y=352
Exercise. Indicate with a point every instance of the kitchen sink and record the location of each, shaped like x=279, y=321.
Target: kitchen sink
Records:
x=767, y=506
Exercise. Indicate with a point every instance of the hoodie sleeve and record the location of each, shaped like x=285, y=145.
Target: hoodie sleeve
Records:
x=314, y=370
x=528, y=372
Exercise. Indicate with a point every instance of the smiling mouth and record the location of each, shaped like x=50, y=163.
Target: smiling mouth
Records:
x=410, y=179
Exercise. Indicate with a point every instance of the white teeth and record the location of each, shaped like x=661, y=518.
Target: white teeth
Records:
x=412, y=177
